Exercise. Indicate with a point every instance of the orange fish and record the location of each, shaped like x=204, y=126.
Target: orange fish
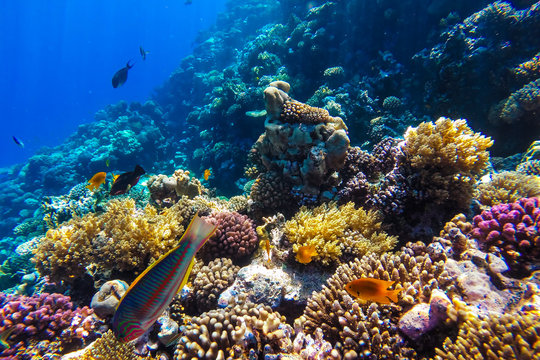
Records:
x=267, y=247
x=305, y=254
x=96, y=180
x=207, y=174
x=370, y=289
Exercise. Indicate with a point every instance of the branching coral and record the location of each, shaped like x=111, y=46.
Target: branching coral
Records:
x=506, y=187
x=512, y=230
x=131, y=236
x=372, y=328
x=511, y=109
x=235, y=236
x=338, y=232
x=108, y=347
x=505, y=336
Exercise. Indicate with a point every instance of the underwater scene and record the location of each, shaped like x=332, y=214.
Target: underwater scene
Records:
x=270, y=179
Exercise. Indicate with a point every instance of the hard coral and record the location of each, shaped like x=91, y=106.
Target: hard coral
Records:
x=371, y=329
x=124, y=238
x=108, y=347
x=506, y=187
x=520, y=102
x=512, y=230
x=338, y=232
x=165, y=191
x=235, y=236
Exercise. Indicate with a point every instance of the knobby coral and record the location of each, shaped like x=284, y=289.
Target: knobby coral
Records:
x=338, y=232
x=506, y=187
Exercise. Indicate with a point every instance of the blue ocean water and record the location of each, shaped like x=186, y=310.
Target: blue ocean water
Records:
x=57, y=60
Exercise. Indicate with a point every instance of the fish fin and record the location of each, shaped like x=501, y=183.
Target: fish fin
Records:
x=393, y=295
x=198, y=232
x=188, y=271
x=388, y=283
x=4, y=335
x=173, y=340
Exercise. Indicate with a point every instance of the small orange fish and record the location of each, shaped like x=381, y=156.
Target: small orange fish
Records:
x=267, y=247
x=305, y=254
x=370, y=289
x=96, y=180
x=207, y=174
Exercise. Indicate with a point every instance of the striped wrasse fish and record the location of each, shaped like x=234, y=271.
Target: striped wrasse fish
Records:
x=153, y=290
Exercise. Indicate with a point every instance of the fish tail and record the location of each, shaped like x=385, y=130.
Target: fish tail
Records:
x=199, y=231
x=393, y=295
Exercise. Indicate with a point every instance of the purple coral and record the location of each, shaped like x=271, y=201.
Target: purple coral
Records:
x=235, y=236
x=43, y=316
x=512, y=230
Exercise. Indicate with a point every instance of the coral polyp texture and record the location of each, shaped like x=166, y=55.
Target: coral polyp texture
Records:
x=511, y=230
x=302, y=144
x=506, y=187
x=235, y=236
x=166, y=190
x=338, y=232
x=132, y=237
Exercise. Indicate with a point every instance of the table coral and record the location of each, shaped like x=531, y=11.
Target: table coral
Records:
x=372, y=328
x=506, y=187
x=235, y=236
x=132, y=237
x=338, y=232
x=512, y=230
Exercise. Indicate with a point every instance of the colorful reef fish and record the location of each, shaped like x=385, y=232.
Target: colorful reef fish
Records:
x=305, y=254
x=154, y=289
x=143, y=52
x=96, y=180
x=18, y=142
x=123, y=182
x=370, y=289
x=120, y=76
x=207, y=174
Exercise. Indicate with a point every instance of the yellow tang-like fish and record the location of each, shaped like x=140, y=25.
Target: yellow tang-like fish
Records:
x=370, y=289
x=96, y=180
x=207, y=174
x=305, y=254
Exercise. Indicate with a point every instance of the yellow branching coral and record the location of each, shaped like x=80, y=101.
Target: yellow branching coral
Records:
x=108, y=347
x=502, y=336
x=336, y=232
x=507, y=187
x=447, y=144
x=124, y=238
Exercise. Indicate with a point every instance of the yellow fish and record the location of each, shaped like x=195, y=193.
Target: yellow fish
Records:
x=370, y=289
x=107, y=162
x=4, y=335
x=96, y=180
x=207, y=174
x=305, y=254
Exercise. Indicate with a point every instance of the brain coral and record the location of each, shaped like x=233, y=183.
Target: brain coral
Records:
x=235, y=236
x=123, y=238
x=338, y=232
x=371, y=329
x=512, y=230
x=506, y=187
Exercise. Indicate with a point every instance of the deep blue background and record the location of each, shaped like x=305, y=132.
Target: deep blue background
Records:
x=57, y=59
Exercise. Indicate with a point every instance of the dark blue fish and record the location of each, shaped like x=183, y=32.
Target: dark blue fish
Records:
x=143, y=52
x=121, y=76
x=18, y=142
x=126, y=181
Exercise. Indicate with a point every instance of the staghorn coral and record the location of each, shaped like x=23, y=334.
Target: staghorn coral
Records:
x=132, y=237
x=235, y=236
x=512, y=230
x=371, y=329
x=338, y=232
x=240, y=329
x=505, y=336
x=506, y=187
x=210, y=281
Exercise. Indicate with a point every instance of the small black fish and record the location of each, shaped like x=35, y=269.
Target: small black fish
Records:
x=121, y=76
x=126, y=181
x=18, y=142
x=143, y=52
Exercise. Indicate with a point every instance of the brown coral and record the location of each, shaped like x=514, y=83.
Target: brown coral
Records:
x=165, y=190
x=124, y=238
x=372, y=328
x=506, y=187
x=518, y=104
x=338, y=232
x=108, y=347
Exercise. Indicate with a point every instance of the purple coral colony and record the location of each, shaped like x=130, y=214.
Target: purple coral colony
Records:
x=415, y=167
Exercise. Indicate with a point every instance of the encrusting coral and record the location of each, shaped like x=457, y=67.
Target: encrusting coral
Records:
x=506, y=187
x=132, y=237
x=371, y=329
x=505, y=336
x=338, y=232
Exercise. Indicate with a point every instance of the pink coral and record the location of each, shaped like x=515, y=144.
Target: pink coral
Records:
x=512, y=230
x=235, y=236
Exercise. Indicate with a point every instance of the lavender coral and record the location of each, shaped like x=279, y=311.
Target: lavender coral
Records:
x=235, y=237
x=512, y=230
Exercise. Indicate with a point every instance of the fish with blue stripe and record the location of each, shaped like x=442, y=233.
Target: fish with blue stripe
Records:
x=153, y=290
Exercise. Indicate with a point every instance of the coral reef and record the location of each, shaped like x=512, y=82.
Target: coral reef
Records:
x=165, y=190
x=511, y=230
x=506, y=187
x=338, y=232
x=106, y=347
x=108, y=297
